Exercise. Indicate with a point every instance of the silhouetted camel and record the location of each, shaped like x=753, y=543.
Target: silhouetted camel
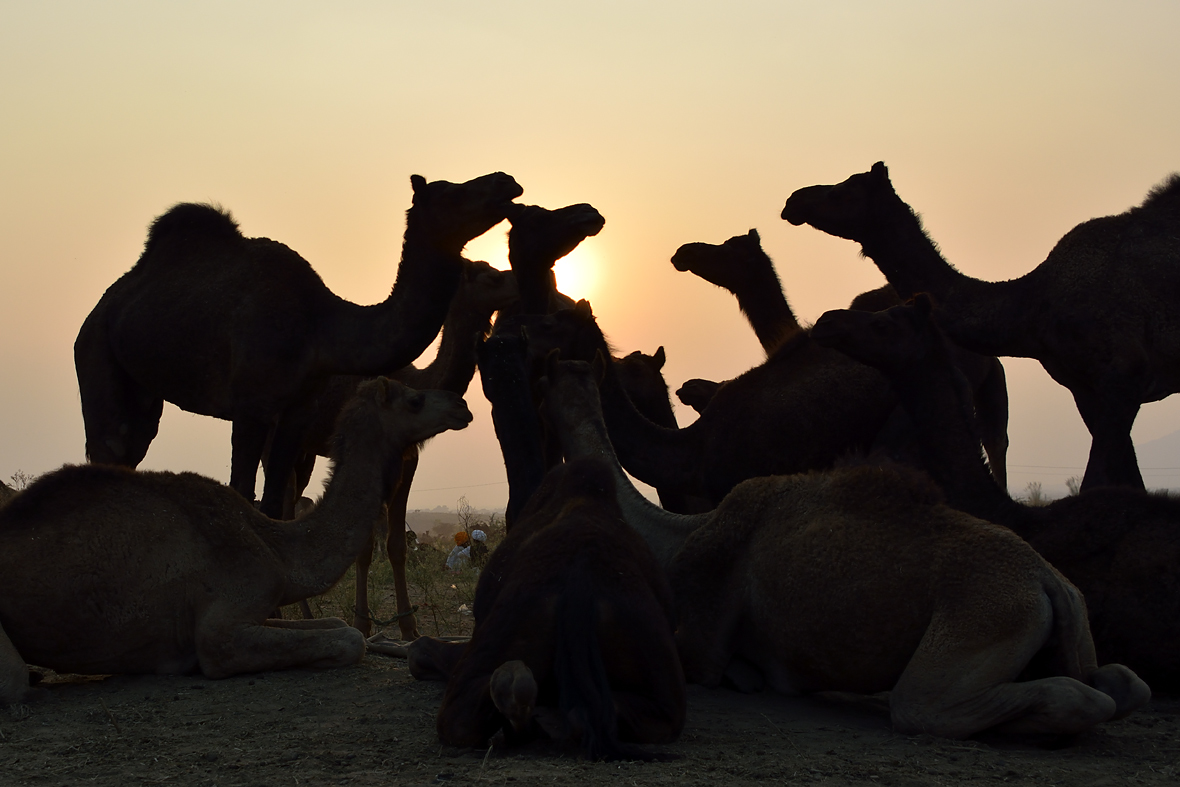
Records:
x=1098, y=313
x=539, y=238
x=105, y=570
x=244, y=330
x=1121, y=547
x=859, y=579
x=572, y=616
x=742, y=267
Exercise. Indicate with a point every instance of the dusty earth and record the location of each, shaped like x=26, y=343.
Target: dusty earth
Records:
x=374, y=724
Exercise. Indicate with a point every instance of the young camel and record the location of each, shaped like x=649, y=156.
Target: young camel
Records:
x=858, y=579
x=244, y=330
x=572, y=615
x=1098, y=313
x=106, y=570
x=742, y=267
x=1119, y=546
x=482, y=291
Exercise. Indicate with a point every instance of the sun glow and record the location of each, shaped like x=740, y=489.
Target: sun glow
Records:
x=577, y=274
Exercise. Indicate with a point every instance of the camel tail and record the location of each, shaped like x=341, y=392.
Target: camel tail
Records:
x=1071, y=628
x=587, y=702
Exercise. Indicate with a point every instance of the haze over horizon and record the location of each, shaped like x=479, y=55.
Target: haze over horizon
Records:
x=1004, y=124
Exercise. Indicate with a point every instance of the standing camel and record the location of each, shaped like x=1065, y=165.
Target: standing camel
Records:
x=244, y=330
x=106, y=570
x=1099, y=313
x=1119, y=546
x=859, y=579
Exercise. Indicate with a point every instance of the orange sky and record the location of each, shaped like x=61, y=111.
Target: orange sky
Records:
x=1004, y=124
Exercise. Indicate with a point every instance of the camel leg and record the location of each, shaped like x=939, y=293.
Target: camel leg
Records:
x=1112, y=453
x=247, y=441
x=991, y=420
x=395, y=543
x=233, y=649
x=361, y=615
x=960, y=680
x=643, y=667
x=433, y=659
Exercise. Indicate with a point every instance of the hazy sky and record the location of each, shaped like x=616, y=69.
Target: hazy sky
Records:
x=1003, y=123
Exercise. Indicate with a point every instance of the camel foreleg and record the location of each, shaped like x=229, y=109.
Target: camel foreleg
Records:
x=235, y=649
x=395, y=543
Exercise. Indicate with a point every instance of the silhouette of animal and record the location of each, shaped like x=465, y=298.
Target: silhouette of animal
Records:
x=803, y=408
x=244, y=330
x=106, y=570
x=539, y=237
x=482, y=291
x=859, y=579
x=742, y=267
x=1119, y=546
x=572, y=614
x=1098, y=313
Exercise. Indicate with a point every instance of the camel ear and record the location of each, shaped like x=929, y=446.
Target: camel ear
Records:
x=382, y=385
x=659, y=358
x=551, y=359
x=880, y=170
x=582, y=308
x=598, y=365
x=754, y=236
x=417, y=182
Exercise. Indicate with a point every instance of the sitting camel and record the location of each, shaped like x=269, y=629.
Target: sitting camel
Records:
x=802, y=409
x=106, y=570
x=742, y=267
x=244, y=330
x=1119, y=546
x=1098, y=313
x=859, y=579
x=572, y=614
x=482, y=291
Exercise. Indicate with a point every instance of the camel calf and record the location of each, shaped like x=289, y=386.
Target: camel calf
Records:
x=573, y=614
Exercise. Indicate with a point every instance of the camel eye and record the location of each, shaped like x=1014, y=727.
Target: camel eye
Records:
x=416, y=402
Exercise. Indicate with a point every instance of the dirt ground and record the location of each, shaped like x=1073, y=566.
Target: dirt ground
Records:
x=374, y=724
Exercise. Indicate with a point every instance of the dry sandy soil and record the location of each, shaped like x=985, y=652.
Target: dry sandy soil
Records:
x=374, y=724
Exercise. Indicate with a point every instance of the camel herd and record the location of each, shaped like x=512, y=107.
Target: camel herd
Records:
x=828, y=523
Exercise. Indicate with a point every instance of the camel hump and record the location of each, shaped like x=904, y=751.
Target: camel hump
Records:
x=192, y=221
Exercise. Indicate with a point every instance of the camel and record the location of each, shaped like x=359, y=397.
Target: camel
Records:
x=244, y=330
x=105, y=570
x=574, y=617
x=742, y=267
x=539, y=237
x=803, y=408
x=860, y=580
x=482, y=291
x=1097, y=313
x=1119, y=546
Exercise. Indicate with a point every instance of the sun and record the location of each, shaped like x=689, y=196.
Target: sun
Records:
x=577, y=274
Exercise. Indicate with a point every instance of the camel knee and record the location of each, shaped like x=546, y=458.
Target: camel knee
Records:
x=1128, y=691
x=514, y=693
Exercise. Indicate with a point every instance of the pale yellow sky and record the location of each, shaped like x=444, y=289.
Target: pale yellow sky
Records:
x=1003, y=123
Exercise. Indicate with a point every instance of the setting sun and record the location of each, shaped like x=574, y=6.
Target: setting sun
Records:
x=577, y=274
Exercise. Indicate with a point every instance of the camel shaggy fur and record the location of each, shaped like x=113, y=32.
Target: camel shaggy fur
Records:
x=573, y=615
x=860, y=579
x=106, y=570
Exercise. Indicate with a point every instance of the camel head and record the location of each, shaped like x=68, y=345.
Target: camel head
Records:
x=572, y=331
x=397, y=415
x=569, y=394
x=842, y=210
x=891, y=340
x=540, y=236
x=451, y=214
x=726, y=265
x=485, y=289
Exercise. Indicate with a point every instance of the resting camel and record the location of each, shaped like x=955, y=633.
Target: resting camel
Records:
x=244, y=330
x=573, y=616
x=742, y=267
x=106, y=570
x=481, y=292
x=1119, y=546
x=1098, y=313
x=801, y=409
x=859, y=579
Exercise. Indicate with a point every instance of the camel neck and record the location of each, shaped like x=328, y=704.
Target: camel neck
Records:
x=766, y=308
x=388, y=336
x=938, y=400
x=454, y=363
x=318, y=548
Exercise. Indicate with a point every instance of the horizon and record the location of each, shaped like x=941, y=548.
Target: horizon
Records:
x=1003, y=125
